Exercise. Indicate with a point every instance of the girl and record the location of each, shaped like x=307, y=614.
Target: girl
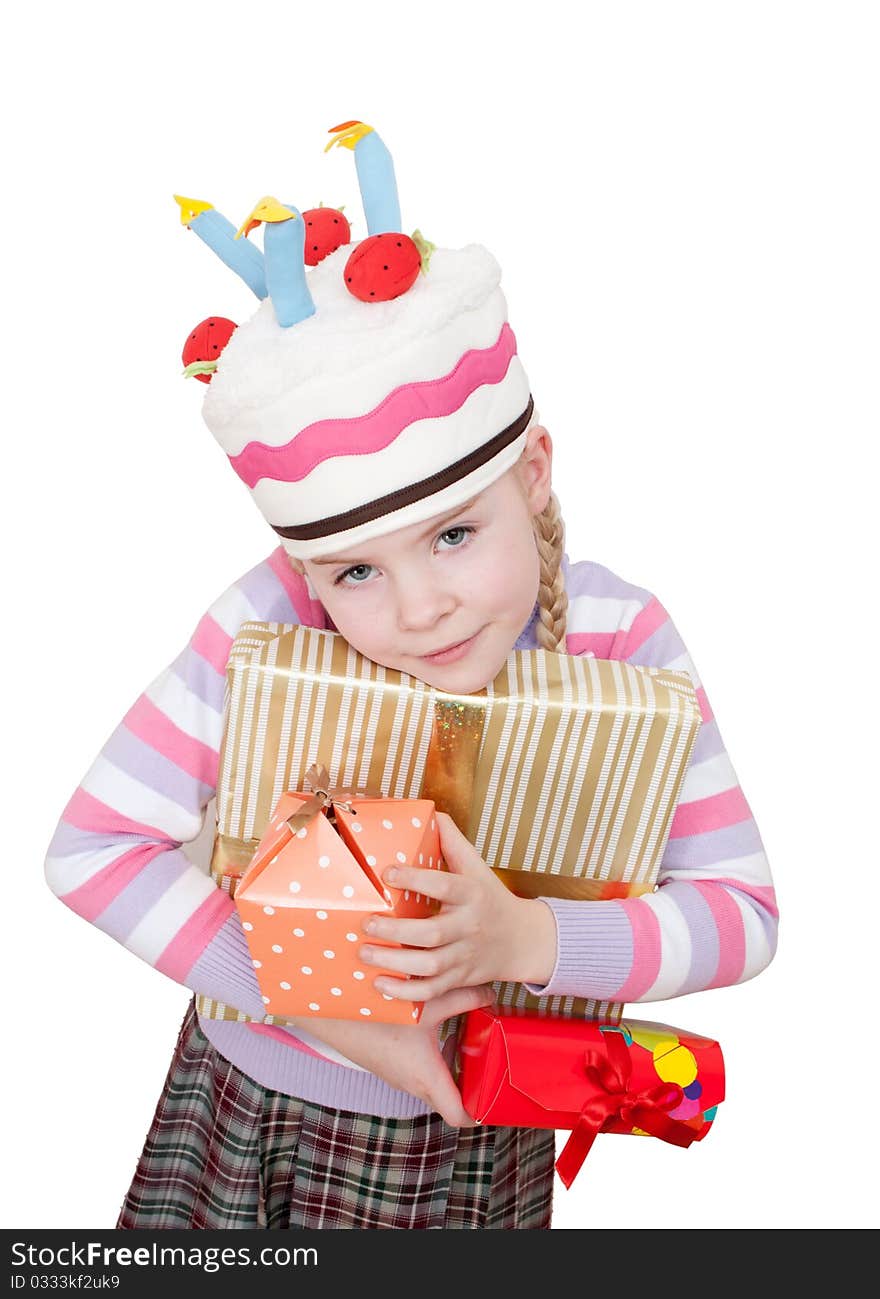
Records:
x=439, y=556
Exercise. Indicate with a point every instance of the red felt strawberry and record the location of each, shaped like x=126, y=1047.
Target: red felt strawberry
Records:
x=385, y=266
x=326, y=230
x=204, y=345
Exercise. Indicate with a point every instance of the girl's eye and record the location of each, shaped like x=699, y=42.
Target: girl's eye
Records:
x=356, y=568
x=460, y=533
x=457, y=537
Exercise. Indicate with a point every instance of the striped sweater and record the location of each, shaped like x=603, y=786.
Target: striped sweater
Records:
x=116, y=856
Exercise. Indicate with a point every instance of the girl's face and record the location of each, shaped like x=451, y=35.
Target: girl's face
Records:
x=471, y=576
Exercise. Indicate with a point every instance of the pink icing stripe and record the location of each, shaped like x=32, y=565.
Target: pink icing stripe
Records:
x=364, y=434
x=713, y=813
x=597, y=643
x=96, y=894
x=310, y=612
x=644, y=625
x=151, y=725
x=88, y=813
x=731, y=934
x=213, y=643
x=646, y=943
x=278, y=1035
x=196, y=931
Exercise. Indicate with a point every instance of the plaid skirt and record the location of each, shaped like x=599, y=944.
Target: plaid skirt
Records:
x=224, y=1152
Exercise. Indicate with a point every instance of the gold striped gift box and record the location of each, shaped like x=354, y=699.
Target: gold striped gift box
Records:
x=564, y=772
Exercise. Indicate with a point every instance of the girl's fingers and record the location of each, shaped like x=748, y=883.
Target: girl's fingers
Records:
x=406, y=960
x=414, y=989
x=431, y=883
x=446, y=1100
x=433, y=932
x=456, y=1001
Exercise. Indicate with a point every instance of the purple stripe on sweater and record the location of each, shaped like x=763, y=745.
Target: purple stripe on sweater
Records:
x=201, y=678
x=267, y=595
x=70, y=841
x=289, y=1070
x=708, y=743
x=225, y=971
x=527, y=640
x=595, y=936
x=707, y=849
x=703, y=932
x=589, y=578
x=121, y=917
x=149, y=767
x=664, y=645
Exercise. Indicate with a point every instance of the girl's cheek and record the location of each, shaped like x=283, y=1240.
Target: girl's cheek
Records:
x=357, y=616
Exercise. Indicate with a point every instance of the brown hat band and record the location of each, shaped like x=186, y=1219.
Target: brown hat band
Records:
x=414, y=492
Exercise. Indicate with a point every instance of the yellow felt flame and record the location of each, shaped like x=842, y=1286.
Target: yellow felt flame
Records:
x=190, y=208
x=348, y=134
x=267, y=209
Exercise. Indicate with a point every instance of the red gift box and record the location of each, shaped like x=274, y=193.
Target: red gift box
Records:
x=531, y=1071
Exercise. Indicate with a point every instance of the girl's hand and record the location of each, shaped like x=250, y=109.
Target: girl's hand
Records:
x=407, y=1056
x=481, y=933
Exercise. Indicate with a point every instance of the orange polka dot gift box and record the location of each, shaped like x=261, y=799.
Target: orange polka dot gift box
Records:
x=533, y=1071
x=314, y=878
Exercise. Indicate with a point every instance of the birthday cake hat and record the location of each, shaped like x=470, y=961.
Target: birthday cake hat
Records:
x=371, y=391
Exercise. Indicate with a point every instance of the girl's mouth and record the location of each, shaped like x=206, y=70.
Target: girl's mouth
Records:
x=453, y=653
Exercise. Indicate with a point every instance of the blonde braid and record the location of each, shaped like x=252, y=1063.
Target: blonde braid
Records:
x=549, y=532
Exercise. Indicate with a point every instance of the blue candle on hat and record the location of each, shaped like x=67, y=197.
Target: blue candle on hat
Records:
x=375, y=173
x=284, y=255
x=219, y=234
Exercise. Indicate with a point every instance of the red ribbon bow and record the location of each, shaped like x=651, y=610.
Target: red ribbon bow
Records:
x=609, y=1072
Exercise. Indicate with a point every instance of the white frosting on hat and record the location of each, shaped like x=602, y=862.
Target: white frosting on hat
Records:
x=345, y=359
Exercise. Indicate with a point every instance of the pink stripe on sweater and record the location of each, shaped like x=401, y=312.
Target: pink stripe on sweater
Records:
x=764, y=894
x=96, y=894
x=706, y=712
x=643, y=626
x=646, y=941
x=196, y=931
x=88, y=813
x=365, y=434
x=597, y=643
x=151, y=725
x=713, y=813
x=310, y=612
x=212, y=643
x=731, y=934
x=279, y=1035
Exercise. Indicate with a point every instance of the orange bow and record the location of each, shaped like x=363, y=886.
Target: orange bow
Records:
x=317, y=779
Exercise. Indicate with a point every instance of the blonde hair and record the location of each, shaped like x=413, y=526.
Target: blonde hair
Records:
x=549, y=531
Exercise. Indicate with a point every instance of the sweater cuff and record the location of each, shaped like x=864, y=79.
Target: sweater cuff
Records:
x=225, y=971
x=594, y=950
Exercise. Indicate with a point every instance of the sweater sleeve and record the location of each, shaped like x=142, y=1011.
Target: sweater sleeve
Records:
x=712, y=921
x=115, y=858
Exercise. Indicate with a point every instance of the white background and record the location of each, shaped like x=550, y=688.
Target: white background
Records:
x=684, y=199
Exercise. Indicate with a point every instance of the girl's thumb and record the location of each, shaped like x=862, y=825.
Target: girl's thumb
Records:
x=456, y=848
x=457, y=1001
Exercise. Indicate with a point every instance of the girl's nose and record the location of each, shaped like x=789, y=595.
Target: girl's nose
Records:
x=421, y=605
